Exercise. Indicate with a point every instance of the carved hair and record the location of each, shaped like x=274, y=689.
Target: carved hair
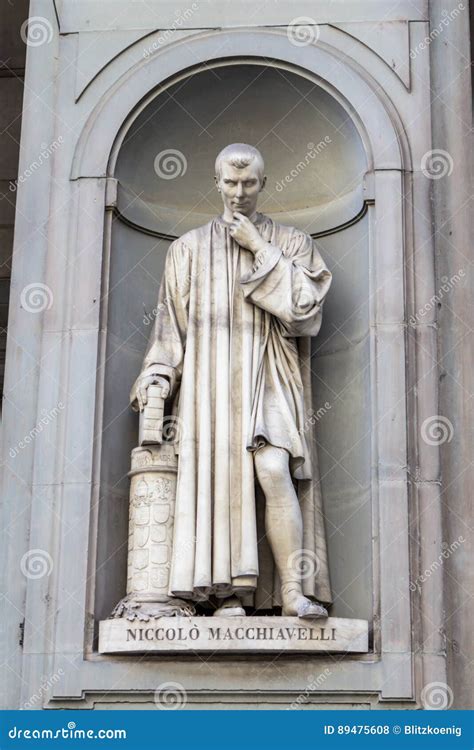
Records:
x=240, y=155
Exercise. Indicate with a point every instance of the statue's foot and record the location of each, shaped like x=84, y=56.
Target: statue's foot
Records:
x=230, y=608
x=297, y=605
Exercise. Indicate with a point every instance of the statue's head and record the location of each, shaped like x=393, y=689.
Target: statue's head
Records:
x=240, y=177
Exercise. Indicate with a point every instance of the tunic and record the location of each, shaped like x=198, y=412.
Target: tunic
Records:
x=232, y=335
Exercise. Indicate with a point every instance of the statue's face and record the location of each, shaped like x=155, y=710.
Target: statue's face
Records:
x=240, y=188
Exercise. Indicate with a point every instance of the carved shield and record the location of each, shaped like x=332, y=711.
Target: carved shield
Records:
x=158, y=533
x=140, y=582
x=142, y=515
x=142, y=534
x=159, y=554
x=161, y=513
x=140, y=559
x=159, y=578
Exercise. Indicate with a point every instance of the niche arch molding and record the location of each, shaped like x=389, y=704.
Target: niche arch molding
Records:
x=387, y=672
x=370, y=108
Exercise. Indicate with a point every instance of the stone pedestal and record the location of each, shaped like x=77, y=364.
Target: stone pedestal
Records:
x=234, y=635
x=150, y=535
x=369, y=74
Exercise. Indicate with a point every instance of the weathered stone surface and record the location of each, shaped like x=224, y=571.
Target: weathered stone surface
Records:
x=66, y=492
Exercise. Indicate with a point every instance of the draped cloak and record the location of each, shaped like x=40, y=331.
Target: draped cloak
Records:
x=232, y=336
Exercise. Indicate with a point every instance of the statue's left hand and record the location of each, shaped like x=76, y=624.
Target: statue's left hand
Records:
x=142, y=388
x=246, y=233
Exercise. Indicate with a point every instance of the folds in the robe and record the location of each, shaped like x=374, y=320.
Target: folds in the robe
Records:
x=232, y=335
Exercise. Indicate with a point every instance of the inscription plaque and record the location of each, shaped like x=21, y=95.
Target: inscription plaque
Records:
x=236, y=634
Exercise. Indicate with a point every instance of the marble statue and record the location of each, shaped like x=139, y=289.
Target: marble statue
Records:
x=230, y=354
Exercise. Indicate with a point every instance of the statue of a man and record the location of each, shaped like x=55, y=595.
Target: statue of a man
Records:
x=238, y=303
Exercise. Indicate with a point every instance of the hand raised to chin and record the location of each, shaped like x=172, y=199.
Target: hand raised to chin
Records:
x=246, y=233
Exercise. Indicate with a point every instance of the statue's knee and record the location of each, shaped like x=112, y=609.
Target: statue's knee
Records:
x=272, y=467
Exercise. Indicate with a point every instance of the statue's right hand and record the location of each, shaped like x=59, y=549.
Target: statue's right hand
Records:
x=143, y=385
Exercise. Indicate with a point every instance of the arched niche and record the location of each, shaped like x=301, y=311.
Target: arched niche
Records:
x=317, y=164
x=314, y=154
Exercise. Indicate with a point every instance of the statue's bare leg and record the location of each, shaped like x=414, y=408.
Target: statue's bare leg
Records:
x=284, y=527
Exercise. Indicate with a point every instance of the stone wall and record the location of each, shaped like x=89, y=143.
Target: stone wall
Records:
x=88, y=82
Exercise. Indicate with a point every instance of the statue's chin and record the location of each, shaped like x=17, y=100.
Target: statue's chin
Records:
x=245, y=209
